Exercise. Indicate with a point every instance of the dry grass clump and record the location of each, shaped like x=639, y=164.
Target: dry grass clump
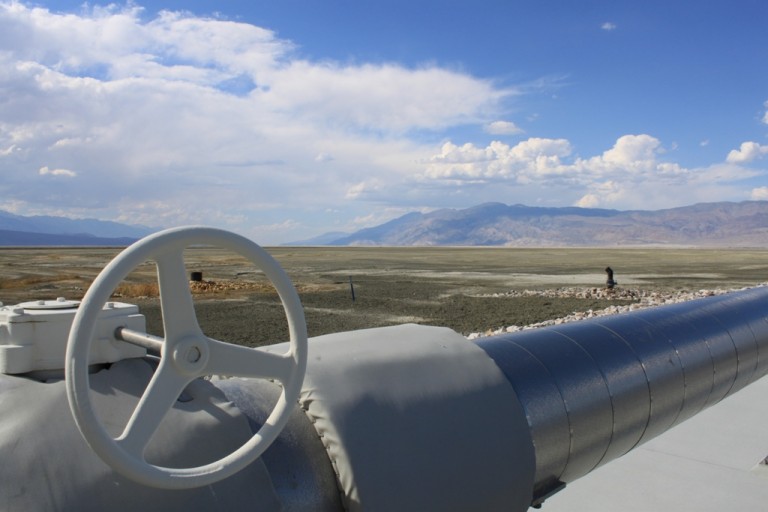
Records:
x=261, y=287
x=202, y=287
x=136, y=290
x=225, y=287
x=27, y=282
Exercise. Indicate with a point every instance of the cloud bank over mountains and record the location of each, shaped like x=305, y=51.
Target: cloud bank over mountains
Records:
x=179, y=119
x=631, y=174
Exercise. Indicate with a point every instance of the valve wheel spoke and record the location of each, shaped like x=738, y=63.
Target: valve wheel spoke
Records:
x=179, y=318
x=239, y=361
x=161, y=393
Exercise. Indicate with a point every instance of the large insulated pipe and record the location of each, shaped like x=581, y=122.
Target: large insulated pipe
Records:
x=594, y=390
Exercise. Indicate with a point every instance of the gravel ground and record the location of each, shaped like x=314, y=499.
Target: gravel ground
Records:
x=261, y=320
x=258, y=318
x=640, y=299
x=475, y=291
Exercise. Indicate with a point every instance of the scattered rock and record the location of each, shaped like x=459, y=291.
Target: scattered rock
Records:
x=644, y=298
x=201, y=287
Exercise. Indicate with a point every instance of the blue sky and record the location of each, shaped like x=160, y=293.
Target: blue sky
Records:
x=284, y=120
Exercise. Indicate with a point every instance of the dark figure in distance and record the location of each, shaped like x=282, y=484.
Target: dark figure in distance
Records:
x=610, y=283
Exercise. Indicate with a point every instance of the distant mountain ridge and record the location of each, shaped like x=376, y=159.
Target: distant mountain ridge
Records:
x=26, y=239
x=721, y=224
x=742, y=224
x=46, y=230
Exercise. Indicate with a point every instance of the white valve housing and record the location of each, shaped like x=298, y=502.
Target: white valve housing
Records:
x=33, y=335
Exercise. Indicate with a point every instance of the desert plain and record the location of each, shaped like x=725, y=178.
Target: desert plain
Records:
x=458, y=287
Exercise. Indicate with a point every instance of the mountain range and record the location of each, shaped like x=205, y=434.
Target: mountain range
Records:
x=721, y=224
x=18, y=230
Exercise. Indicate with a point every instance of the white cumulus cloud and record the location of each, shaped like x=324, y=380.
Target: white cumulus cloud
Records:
x=765, y=116
x=747, y=152
x=381, y=97
x=632, y=174
x=534, y=156
x=537, y=158
x=759, y=194
x=44, y=171
x=603, y=194
x=503, y=128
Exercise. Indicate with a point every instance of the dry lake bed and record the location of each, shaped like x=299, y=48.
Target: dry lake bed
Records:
x=430, y=285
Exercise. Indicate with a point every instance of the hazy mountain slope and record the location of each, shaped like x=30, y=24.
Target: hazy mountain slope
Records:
x=27, y=239
x=324, y=239
x=718, y=224
x=46, y=230
x=62, y=225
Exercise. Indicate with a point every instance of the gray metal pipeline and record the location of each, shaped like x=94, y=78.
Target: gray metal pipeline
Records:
x=594, y=390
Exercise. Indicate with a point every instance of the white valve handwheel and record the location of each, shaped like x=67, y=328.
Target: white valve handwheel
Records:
x=186, y=354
